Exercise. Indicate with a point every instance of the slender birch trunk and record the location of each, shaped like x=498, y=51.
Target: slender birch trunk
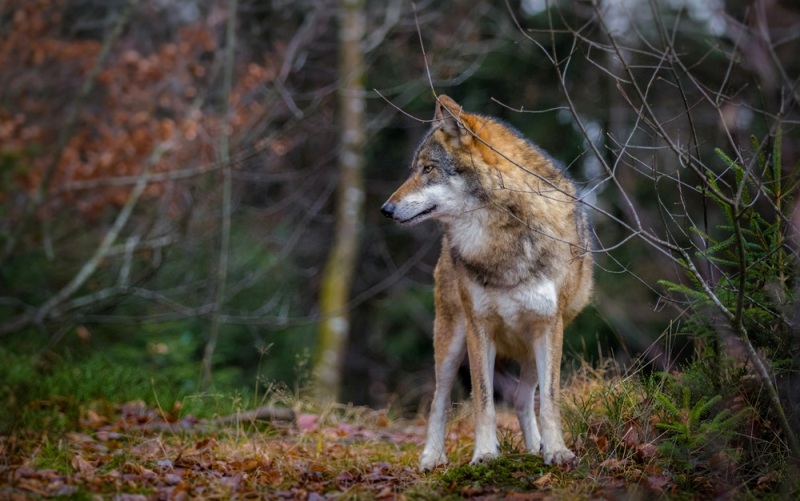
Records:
x=337, y=279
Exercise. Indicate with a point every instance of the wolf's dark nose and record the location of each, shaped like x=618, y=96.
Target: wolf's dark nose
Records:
x=388, y=209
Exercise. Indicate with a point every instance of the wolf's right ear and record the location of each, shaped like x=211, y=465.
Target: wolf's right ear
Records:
x=448, y=117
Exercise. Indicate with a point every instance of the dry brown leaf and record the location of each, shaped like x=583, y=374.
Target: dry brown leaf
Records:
x=653, y=469
x=81, y=465
x=657, y=482
x=601, y=442
x=720, y=461
x=250, y=464
x=271, y=477
x=544, y=480
x=765, y=481
x=130, y=497
x=631, y=437
x=386, y=493
x=646, y=451
x=526, y=496
x=345, y=478
x=93, y=419
x=614, y=463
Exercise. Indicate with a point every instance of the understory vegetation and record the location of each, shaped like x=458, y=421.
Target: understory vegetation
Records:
x=84, y=427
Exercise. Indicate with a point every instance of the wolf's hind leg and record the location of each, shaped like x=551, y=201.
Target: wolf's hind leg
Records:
x=450, y=347
x=547, y=347
x=524, y=404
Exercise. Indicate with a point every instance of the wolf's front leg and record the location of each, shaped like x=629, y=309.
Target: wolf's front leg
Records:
x=481, y=351
x=449, y=346
x=547, y=347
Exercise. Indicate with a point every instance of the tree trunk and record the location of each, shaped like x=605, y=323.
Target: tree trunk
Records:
x=334, y=325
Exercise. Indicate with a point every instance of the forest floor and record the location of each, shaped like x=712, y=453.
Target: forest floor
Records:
x=138, y=453
x=132, y=451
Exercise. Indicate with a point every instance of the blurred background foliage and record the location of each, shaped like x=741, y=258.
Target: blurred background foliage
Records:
x=97, y=96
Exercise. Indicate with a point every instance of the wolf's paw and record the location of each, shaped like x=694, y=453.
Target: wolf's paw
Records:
x=535, y=448
x=483, y=457
x=430, y=460
x=559, y=457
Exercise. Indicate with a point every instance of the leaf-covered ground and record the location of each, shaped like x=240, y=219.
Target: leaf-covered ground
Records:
x=131, y=451
x=139, y=453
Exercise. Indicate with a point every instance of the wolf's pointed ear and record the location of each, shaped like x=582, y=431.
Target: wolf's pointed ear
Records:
x=448, y=117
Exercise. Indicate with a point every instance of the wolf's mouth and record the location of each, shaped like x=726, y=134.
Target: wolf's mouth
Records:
x=419, y=215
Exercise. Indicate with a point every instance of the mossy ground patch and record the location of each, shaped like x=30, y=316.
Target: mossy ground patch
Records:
x=518, y=472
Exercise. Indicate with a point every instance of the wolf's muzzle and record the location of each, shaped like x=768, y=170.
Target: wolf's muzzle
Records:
x=388, y=210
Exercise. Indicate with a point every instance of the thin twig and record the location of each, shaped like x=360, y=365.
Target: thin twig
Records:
x=225, y=208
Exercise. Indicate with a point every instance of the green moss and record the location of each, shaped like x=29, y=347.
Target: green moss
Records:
x=513, y=472
x=53, y=455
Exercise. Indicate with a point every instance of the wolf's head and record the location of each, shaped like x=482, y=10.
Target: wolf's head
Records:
x=443, y=183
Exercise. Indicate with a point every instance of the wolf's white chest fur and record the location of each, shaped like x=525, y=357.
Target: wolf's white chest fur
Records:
x=537, y=298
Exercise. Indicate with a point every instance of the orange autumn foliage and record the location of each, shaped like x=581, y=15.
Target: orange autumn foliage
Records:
x=146, y=94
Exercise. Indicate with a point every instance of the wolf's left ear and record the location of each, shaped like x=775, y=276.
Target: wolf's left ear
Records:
x=448, y=117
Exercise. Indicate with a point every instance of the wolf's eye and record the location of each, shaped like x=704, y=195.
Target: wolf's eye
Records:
x=427, y=169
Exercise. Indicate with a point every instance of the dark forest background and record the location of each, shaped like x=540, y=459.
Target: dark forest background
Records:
x=146, y=146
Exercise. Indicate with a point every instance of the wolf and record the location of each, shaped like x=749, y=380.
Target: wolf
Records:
x=514, y=269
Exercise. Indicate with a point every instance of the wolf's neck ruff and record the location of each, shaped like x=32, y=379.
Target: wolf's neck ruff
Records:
x=514, y=256
x=496, y=263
